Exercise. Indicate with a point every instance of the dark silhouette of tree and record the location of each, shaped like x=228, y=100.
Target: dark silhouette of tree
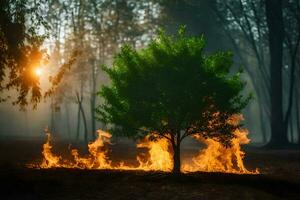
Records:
x=97, y=28
x=291, y=17
x=20, y=49
x=276, y=36
x=172, y=90
x=246, y=25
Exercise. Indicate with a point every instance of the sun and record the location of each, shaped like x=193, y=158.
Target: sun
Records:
x=38, y=71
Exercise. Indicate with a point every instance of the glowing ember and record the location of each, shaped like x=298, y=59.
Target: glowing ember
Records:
x=214, y=158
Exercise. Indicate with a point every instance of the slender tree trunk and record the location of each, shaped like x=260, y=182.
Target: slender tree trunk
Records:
x=93, y=120
x=291, y=130
x=298, y=116
x=276, y=34
x=93, y=101
x=68, y=121
x=176, y=159
x=84, y=124
x=176, y=154
x=288, y=114
x=263, y=125
x=81, y=110
x=52, y=123
x=78, y=123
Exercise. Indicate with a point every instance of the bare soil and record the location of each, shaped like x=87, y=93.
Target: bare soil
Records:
x=279, y=178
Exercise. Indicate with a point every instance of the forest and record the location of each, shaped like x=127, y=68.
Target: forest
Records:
x=150, y=99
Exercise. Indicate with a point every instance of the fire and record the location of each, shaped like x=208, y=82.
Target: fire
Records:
x=98, y=158
x=50, y=160
x=218, y=158
x=214, y=158
x=159, y=157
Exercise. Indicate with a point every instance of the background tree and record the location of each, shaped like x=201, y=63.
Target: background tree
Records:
x=170, y=89
x=244, y=23
x=276, y=37
x=98, y=29
x=247, y=26
x=291, y=17
x=20, y=46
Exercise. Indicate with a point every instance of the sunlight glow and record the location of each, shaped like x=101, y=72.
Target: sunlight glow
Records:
x=38, y=71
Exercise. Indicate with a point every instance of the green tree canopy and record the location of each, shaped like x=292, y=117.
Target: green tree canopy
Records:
x=172, y=89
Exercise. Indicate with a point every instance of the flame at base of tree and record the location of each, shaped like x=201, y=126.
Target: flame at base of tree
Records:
x=214, y=158
x=159, y=157
x=218, y=158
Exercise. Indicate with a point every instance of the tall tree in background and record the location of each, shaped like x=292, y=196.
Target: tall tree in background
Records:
x=276, y=36
x=246, y=25
x=291, y=16
x=97, y=28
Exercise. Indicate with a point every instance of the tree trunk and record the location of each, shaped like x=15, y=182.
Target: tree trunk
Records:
x=81, y=110
x=84, y=124
x=52, y=123
x=288, y=115
x=78, y=123
x=263, y=125
x=276, y=34
x=93, y=101
x=297, y=117
x=68, y=121
x=93, y=120
x=176, y=159
x=291, y=129
x=176, y=154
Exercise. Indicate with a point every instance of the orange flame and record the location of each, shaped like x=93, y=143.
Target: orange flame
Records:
x=96, y=160
x=159, y=157
x=50, y=160
x=214, y=158
x=218, y=158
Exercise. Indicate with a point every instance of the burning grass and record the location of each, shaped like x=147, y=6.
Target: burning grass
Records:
x=214, y=158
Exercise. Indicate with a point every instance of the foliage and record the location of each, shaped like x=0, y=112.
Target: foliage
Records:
x=20, y=47
x=172, y=86
x=245, y=24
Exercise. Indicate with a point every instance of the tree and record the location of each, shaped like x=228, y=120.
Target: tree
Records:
x=244, y=23
x=291, y=17
x=276, y=37
x=171, y=89
x=20, y=49
x=247, y=25
x=23, y=30
x=97, y=28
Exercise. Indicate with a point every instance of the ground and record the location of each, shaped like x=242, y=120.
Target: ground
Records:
x=279, y=178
